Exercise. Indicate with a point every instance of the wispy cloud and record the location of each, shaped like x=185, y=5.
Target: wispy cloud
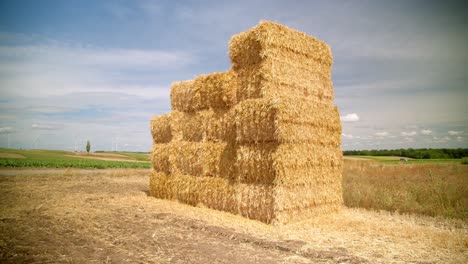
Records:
x=454, y=133
x=426, y=132
x=409, y=134
x=382, y=134
x=348, y=136
x=350, y=118
x=6, y=130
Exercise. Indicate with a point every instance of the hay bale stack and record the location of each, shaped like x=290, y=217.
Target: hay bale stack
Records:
x=261, y=140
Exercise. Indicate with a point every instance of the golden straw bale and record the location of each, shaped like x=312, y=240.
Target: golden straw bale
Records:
x=215, y=90
x=273, y=60
x=288, y=164
x=287, y=120
x=251, y=46
x=259, y=202
x=204, y=125
x=255, y=201
x=252, y=201
x=201, y=158
x=160, y=157
x=161, y=128
x=216, y=193
x=183, y=98
x=273, y=78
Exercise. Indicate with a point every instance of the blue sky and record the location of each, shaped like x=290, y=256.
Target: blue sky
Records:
x=98, y=70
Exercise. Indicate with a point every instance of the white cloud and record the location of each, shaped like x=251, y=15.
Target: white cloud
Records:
x=454, y=133
x=426, y=132
x=409, y=134
x=347, y=135
x=460, y=139
x=382, y=134
x=6, y=130
x=350, y=118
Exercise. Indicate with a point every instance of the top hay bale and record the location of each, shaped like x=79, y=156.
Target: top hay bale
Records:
x=273, y=60
x=252, y=46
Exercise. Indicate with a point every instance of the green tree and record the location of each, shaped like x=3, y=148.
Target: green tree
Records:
x=88, y=146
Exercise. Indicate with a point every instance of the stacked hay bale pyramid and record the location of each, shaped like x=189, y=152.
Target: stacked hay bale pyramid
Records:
x=261, y=140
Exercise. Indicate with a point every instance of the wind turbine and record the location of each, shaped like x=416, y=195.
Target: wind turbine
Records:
x=35, y=142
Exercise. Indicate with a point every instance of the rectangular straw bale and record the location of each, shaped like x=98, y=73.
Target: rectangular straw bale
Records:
x=216, y=90
x=273, y=60
x=204, y=125
x=273, y=78
x=161, y=128
x=202, y=158
x=250, y=47
x=287, y=120
x=184, y=98
x=255, y=201
x=160, y=157
x=259, y=202
x=216, y=193
x=288, y=164
x=252, y=201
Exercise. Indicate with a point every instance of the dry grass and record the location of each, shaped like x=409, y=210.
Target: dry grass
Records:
x=429, y=189
x=108, y=217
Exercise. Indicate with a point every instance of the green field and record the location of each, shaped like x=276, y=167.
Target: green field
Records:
x=65, y=159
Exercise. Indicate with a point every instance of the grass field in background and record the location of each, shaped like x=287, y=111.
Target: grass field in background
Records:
x=388, y=159
x=434, y=189
x=65, y=159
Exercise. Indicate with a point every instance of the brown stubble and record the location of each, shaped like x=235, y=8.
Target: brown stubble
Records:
x=77, y=217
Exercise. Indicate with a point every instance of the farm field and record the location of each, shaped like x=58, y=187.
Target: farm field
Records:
x=14, y=158
x=74, y=216
x=395, y=159
x=434, y=189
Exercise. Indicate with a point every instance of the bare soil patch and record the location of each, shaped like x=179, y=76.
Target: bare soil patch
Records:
x=108, y=217
x=11, y=156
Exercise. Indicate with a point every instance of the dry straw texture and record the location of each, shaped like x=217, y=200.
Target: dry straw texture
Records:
x=216, y=90
x=161, y=128
x=273, y=60
x=287, y=120
x=261, y=140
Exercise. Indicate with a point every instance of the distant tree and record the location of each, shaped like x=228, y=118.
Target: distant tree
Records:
x=88, y=146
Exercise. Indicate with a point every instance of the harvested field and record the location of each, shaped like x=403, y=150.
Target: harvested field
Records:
x=78, y=217
x=11, y=156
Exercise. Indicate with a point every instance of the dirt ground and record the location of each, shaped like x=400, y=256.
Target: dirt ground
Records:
x=107, y=217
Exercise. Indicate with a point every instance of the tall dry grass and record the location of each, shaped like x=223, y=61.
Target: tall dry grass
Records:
x=429, y=189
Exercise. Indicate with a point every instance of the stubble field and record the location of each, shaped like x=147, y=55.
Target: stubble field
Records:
x=106, y=216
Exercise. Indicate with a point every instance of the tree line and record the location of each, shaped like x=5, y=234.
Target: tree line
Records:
x=423, y=153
